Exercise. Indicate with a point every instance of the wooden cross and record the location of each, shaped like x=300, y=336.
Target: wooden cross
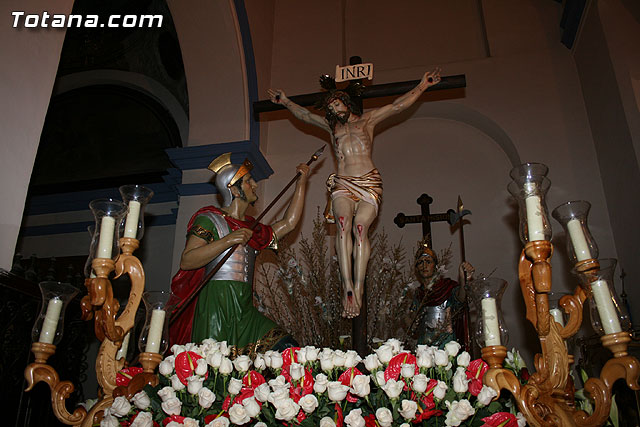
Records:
x=426, y=218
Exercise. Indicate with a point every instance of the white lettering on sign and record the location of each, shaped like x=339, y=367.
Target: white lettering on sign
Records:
x=354, y=72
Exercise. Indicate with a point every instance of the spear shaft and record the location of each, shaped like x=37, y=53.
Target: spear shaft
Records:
x=180, y=309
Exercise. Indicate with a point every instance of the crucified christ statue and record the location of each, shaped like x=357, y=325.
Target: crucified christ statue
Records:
x=356, y=188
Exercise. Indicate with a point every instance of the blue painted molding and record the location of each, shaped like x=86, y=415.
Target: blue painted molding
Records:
x=250, y=65
x=81, y=227
x=199, y=156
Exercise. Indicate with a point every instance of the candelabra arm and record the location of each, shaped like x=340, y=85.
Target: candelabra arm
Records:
x=96, y=412
x=573, y=305
x=526, y=286
x=60, y=390
x=100, y=302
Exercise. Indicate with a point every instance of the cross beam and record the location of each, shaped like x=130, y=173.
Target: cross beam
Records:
x=426, y=218
x=373, y=91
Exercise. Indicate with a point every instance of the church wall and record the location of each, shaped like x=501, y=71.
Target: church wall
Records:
x=525, y=82
x=30, y=60
x=605, y=65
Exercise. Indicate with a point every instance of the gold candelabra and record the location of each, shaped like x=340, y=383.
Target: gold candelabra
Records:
x=101, y=305
x=547, y=399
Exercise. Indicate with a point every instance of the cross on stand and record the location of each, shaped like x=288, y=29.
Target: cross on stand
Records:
x=426, y=218
x=359, y=323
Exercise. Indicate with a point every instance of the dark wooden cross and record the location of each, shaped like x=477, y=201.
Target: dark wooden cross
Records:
x=426, y=218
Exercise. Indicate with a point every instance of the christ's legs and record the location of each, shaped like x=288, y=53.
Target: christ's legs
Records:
x=365, y=215
x=343, y=208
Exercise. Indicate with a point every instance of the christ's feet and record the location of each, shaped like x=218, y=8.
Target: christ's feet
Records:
x=350, y=307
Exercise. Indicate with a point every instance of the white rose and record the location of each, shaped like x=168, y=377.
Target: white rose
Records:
x=259, y=363
x=219, y=422
x=326, y=362
x=260, y=424
x=296, y=371
x=486, y=395
x=354, y=419
x=225, y=366
x=201, y=367
x=441, y=358
x=458, y=412
x=419, y=383
x=327, y=422
x=404, y=425
x=320, y=385
x=278, y=383
x=141, y=400
x=143, y=419
x=351, y=359
x=384, y=417
x=380, y=378
x=176, y=383
x=360, y=385
x=384, y=353
x=463, y=359
x=172, y=406
x=276, y=360
x=425, y=360
x=176, y=349
x=395, y=344
x=215, y=359
x=238, y=415
x=262, y=392
x=235, y=385
x=251, y=406
x=336, y=391
x=120, y=406
x=522, y=421
x=452, y=348
x=224, y=348
x=440, y=390
x=278, y=394
x=409, y=408
x=302, y=355
x=194, y=383
x=166, y=393
x=190, y=422
x=312, y=353
x=193, y=347
x=110, y=421
x=286, y=409
x=308, y=403
x=393, y=388
x=371, y=362
x=408, y=370
x=206, y=397
x=165, y=368
x=242, y=363
x=339, y=357
x=460, y=381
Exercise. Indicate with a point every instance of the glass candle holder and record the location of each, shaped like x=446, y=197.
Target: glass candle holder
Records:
x=608, y=314
x=573, y=217
x=154, y=337
x=529, y=187
x=50, y=322
x=486, y=295
x=136, y=198
x=108, y=214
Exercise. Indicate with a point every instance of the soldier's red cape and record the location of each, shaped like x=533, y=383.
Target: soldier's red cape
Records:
x=185, y=281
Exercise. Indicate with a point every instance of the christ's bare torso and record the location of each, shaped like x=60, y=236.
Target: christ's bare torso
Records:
x=353, y=143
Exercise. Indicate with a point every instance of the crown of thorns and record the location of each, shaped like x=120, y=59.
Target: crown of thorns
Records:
x=352, y=91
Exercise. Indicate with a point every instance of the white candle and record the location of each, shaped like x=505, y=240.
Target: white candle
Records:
x=604, y=303
x=122, y=352
x=131, y=224
x=105, y=245
x=50, y=324
x=490, y=322
x=578, y=240
x=155, y=331
x=556, y=313
x=534, y=214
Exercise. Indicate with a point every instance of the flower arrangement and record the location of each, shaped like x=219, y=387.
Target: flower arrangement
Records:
x=199, y=385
